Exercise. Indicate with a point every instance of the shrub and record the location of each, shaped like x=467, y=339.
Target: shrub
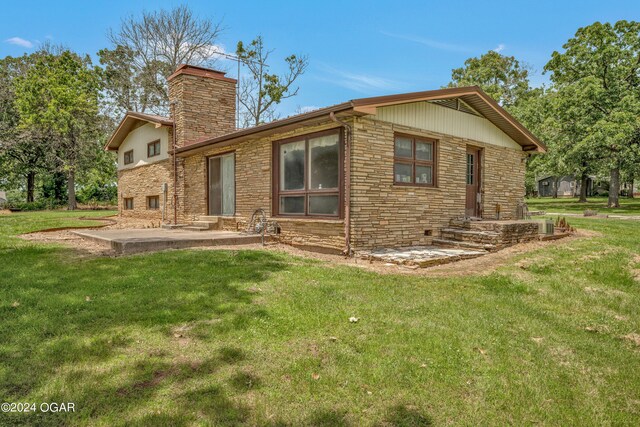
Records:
x=38, y=205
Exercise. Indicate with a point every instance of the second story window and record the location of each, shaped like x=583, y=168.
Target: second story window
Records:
x=128, y=157
x=153, y=148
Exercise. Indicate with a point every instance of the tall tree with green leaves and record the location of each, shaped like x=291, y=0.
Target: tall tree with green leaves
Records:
x=504, y=78
x=261, y=91
x=58, y=96
x=21, y=150
x=597, y=77
x=146, y=49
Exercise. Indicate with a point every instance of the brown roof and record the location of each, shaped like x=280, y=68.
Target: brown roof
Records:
x=472, y=95
x=130, y=121
x=193, y=70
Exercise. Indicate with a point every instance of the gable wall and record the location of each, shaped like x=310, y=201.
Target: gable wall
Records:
x=436, y=118
x=137, y=141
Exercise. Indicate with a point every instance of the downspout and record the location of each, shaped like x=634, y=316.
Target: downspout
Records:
x=175, y=167
x=347, y=183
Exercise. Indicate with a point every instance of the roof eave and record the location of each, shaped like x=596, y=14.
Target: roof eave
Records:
x=267, y=128
x=116, y=136
x=369, y=106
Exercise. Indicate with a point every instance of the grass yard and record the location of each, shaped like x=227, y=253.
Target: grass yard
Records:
x=201, y=337
x=571, y=205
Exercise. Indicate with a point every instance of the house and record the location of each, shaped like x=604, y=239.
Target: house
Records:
x=386, y=171
x=563, y=186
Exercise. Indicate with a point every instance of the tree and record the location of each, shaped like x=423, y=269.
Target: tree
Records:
x=598, y=80
x=22, y=150
x=503, y=78
x=147, y=49
x=58, y=96
x=262, y=91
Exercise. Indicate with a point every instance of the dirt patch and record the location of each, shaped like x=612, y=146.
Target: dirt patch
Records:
x=5, y=212
x=633, y=337
x=83, y=247
x=483, y=265
x=635, y=267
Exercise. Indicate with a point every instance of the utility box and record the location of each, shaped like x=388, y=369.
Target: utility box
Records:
x=546, y=227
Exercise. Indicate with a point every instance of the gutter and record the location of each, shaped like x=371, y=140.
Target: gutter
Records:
x=175, y=166
x=347, y=183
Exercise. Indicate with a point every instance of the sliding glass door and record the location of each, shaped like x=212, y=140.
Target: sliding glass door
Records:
x=222, y=185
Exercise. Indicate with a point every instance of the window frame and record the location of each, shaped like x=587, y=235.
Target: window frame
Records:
x=124, y=157
x=413, y=161
x=153, y=144
x=124, y=203
x=149, y=198
x=306, y=192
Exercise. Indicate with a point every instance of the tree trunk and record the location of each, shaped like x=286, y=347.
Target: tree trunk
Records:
x=556, y=181
x=631, y=181
x=31, y=186
x=584, y=179
x=614, y=189
x=71, y=187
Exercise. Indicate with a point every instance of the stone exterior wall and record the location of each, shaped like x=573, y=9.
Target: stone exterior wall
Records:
x=143, y=181
x=388, y=215
x=206, y=106
x=253, y=190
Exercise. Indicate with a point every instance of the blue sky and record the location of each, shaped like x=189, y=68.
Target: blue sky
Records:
x=356, y=48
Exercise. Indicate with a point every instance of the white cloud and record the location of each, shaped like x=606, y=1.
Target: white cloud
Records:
x=20, y=42
x=500, y=48
x=358, y=82
x=435, y=44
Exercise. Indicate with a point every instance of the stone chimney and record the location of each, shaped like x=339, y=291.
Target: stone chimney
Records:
x=204, y=102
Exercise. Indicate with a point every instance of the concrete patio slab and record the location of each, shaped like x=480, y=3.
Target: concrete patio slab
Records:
x=128, y=241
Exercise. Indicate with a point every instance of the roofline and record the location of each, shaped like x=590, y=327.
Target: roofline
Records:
x=138, y=116
x=346, y=106
x=366, y=106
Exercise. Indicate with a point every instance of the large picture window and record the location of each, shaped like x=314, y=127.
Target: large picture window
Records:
x=308, y=175
x=414, y=161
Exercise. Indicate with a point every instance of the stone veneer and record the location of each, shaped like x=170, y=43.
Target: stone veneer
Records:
x=143, y=181
x=382, y=214
x=253, y=191
x=388, y=215
x=205, y=105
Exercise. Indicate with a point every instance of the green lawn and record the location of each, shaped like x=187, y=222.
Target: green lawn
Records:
x=571, y=205
x=258, y=338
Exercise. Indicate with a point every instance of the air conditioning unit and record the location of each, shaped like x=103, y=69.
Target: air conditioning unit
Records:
x=546, y=227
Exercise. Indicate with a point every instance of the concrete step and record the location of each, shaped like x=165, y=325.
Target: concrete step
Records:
x=195, y=228
x=209, y=225
x=461, y=244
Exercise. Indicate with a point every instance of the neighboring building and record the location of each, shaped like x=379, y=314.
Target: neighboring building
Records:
x=371, y=172
x=567, y=186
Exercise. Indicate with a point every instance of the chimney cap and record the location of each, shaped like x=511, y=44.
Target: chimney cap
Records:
x=194, y=70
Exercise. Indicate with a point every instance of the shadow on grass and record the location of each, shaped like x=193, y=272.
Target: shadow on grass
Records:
x=109, y=332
